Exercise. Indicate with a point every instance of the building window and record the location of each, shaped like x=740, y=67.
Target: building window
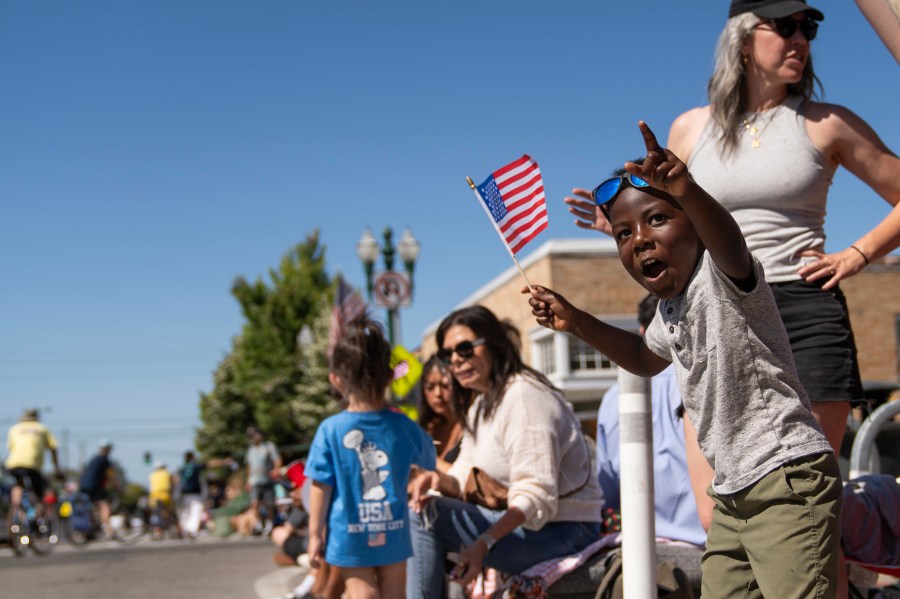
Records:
x=546, y=355
x=584, y=357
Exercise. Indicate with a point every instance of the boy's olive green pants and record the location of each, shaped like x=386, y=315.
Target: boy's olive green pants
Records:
x=779, y=538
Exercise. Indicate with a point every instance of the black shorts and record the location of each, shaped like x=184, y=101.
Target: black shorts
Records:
x=264, y=493
x=27, y=477
x=818, y=327
x=294, y=546
x=96, y=494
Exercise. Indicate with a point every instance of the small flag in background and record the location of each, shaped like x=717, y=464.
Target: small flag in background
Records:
x=514, y=195
x=348, y=306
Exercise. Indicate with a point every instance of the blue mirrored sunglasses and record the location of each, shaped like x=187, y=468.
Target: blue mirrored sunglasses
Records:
x=607, y=191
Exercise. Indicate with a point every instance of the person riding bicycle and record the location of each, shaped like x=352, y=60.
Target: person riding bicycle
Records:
x=160, y=497
x=94, y=480
x=27, y=441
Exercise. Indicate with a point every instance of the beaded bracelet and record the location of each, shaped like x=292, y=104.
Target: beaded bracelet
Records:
x=861, y=253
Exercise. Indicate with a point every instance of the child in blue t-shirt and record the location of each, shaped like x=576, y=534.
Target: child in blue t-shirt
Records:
x=359, y=462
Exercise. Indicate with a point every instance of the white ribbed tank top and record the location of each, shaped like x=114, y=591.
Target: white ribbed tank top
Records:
x=776, y=192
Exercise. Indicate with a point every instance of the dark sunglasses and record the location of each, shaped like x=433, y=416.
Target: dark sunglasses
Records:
x=607, y=191
x=786, y=27
x=463, y=349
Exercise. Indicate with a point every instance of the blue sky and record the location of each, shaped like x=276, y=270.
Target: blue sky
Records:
x=153, y=151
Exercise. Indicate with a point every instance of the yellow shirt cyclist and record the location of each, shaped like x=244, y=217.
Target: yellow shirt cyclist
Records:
x=160, y=487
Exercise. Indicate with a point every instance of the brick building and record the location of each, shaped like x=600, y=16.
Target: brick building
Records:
x=588, y=272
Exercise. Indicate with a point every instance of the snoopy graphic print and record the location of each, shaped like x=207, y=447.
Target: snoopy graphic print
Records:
x=365, y=458
x=371, y=459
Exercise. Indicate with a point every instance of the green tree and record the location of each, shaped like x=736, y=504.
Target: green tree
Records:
x=131, y=495
x=268, y=379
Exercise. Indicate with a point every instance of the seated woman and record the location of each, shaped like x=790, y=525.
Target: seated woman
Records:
x=438, y=414
x=521, y=432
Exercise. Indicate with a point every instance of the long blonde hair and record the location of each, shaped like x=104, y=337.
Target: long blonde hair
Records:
x=726, y=88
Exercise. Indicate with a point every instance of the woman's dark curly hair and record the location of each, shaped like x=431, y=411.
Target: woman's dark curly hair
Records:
x=505, y=358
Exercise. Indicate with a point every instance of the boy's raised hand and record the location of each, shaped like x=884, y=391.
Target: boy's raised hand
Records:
x=714, y=225
x=550, y=309
x=662, y=169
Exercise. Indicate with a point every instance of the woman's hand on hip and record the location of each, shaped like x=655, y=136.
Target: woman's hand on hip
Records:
x=836, y=267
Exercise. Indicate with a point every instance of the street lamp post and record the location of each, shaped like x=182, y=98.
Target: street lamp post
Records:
x=367, y=250
x=409, y=248
x=389, y=288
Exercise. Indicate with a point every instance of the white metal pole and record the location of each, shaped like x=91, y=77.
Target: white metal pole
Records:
x=636, y=485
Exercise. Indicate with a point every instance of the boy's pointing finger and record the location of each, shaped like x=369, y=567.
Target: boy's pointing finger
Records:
x=650, y=141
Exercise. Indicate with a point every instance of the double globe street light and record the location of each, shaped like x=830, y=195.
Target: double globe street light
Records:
x=390, y=289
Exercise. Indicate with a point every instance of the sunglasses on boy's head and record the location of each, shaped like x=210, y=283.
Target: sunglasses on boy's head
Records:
x=786, y=27
x=463, y=349
x=607, y=191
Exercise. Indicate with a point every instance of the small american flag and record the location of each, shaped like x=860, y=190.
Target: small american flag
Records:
x=377, y=539
x=514, y=195
x=348, y=306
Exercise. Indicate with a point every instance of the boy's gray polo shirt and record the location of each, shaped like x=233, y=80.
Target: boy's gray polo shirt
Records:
x=737, y=377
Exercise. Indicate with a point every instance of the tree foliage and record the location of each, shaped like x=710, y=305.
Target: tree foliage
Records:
x=268, y=379
x=131, y=495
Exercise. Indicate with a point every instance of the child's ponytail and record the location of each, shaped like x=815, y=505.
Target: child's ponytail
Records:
x=362, y=358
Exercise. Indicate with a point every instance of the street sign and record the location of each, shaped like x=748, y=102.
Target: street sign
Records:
x=392, y=289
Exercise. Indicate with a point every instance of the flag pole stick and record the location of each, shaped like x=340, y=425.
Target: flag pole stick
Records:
x=497, y=229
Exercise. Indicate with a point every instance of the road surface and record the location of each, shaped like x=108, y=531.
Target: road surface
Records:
x=203, y=569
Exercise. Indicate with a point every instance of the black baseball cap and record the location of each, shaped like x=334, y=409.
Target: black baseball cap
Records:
x=774, y=9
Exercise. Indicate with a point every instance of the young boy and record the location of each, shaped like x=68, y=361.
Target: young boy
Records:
x=777, y=488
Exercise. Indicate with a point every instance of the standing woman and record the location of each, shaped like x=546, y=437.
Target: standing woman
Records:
x=768, y=152
x=521, y=432
x=438, y=414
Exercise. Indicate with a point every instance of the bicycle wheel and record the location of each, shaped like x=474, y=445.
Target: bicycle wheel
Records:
x=44, y=532
x=74, y=534
x=132, y=531
x=78, y=517
x=18, y=530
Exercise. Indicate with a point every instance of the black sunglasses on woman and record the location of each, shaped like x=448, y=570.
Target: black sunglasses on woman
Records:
x=464, y=349
x=786, y=27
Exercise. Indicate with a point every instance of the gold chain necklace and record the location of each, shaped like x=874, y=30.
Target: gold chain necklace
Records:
x=755, y=131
